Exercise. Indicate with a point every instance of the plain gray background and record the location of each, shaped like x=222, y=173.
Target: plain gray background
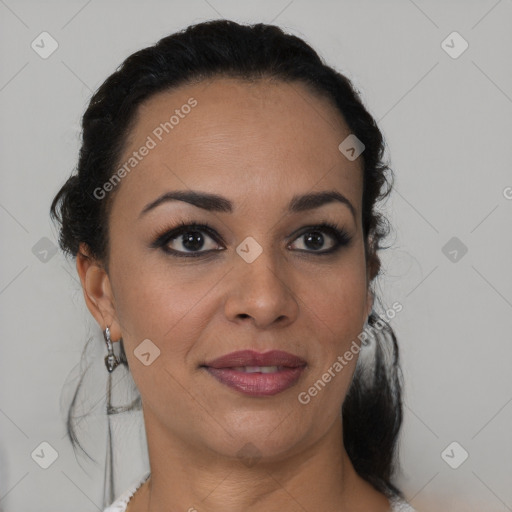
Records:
x=448, y=125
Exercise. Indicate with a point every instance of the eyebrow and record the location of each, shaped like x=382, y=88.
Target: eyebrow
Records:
x=216, y=203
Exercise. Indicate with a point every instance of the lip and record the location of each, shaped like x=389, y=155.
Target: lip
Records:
x=290, y=369
x=252, y=358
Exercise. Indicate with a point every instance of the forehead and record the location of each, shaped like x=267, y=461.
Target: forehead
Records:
x=241, y=139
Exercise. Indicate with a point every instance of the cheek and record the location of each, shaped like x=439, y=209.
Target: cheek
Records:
x=336, y=300
x=158, y=302
x=336, y=307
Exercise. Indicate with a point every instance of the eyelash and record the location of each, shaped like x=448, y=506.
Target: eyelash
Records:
x=341, y=237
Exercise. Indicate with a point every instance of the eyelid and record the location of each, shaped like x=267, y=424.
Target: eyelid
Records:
x=183, y=226
x=338, y=233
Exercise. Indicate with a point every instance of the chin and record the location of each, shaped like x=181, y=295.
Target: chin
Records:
x=263, y=435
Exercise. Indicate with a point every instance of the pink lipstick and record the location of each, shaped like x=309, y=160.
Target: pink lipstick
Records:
x=257, y=374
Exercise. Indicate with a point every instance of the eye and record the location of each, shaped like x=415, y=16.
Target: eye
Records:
x=187, y=240
x=191, y=240
x=314, y=240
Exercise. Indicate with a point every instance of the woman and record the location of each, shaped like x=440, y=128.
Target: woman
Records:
x=224, y=224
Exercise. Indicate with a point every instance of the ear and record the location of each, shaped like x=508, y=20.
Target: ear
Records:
x=97, y=291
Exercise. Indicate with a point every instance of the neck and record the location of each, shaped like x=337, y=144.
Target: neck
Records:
x=188, y=478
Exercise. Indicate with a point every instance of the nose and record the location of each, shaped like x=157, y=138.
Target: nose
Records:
x=262, y=291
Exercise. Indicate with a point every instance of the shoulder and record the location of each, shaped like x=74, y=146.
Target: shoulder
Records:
x=121, y=503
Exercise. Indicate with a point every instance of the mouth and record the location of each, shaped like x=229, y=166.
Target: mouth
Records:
x=257, y=374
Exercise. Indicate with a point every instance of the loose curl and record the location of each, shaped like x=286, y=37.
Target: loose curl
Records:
x=372, y=410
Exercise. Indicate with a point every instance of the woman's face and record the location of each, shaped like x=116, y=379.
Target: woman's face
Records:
x=261, y=278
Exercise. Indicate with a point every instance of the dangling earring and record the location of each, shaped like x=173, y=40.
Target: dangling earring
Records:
x=111, y=361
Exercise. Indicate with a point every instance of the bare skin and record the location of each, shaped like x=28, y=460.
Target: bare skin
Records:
x=258, y=145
